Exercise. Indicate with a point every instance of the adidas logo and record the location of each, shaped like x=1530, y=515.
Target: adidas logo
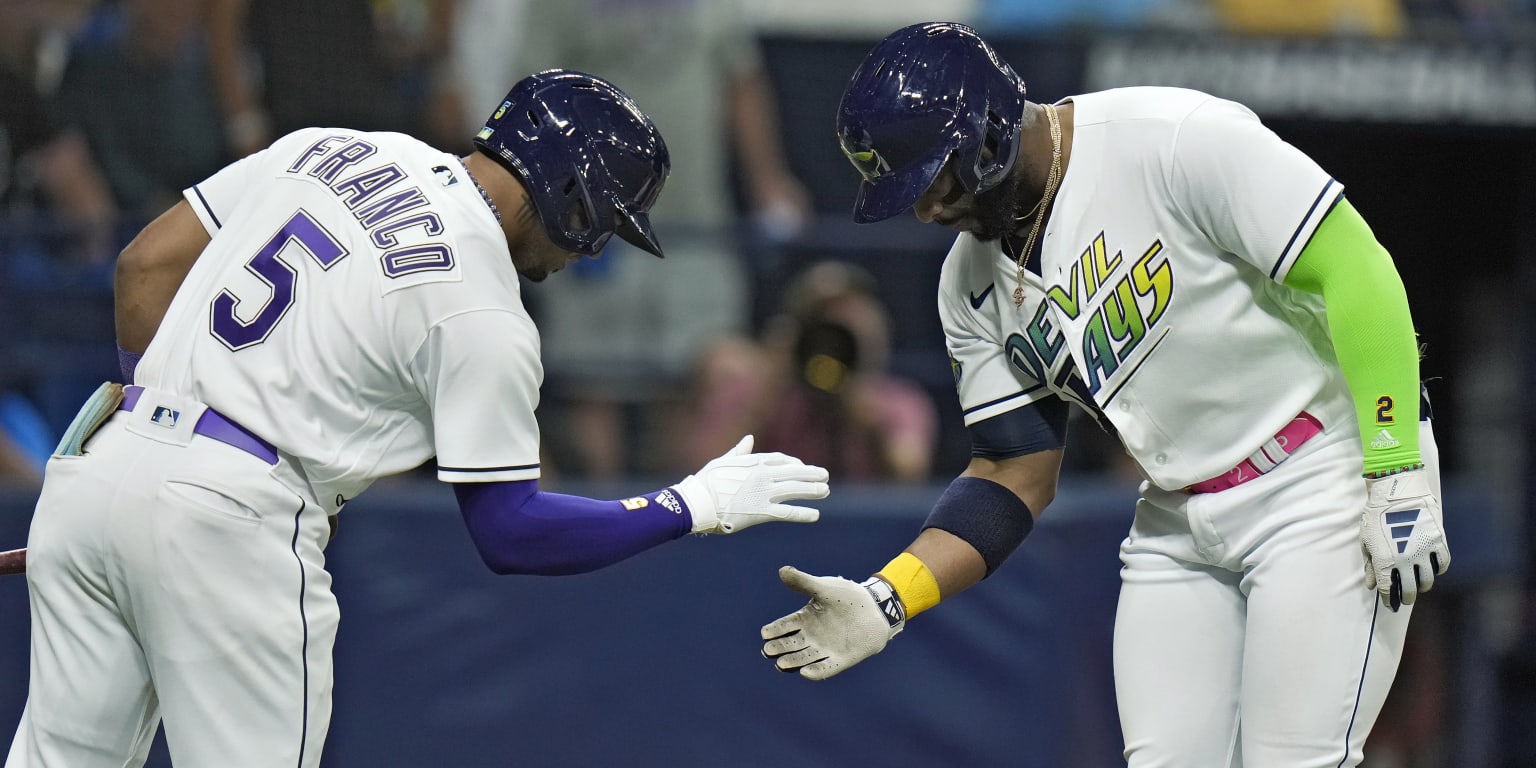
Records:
x=1385, y=440
x=1400, y=524
x=666, y=499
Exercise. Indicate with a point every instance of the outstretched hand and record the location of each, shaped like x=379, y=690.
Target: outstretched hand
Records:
x=845, y=623
x=741, y=489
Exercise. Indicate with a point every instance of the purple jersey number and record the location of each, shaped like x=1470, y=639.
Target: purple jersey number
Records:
x=266, y=264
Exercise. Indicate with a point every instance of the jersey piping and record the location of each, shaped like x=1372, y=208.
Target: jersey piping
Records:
x=1331, y=192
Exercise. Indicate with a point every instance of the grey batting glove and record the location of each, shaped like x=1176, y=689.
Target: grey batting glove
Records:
x=742, y=488
x=1401, y=535
x=845, y=623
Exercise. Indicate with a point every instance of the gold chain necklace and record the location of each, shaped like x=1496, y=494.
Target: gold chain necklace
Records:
x=1052, y=180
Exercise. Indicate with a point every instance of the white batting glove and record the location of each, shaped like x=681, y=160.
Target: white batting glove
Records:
x=845, y=623
x=742, y=488
x=1402, y=537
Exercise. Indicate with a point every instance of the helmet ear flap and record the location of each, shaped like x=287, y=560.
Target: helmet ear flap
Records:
x=577, y=218
x=997, y=150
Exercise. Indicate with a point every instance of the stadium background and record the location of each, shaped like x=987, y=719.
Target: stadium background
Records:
x=1432, y=128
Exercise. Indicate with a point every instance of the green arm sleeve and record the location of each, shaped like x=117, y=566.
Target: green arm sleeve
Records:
x=1372, y=333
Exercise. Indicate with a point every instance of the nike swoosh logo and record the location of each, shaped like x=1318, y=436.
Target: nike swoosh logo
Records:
x=977, y=301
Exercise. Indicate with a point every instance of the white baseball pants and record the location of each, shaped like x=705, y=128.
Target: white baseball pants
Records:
x=1246, y=636
x=171, y=577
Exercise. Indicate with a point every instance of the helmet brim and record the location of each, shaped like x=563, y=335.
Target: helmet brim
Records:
x=636, y=230
x=891, y=193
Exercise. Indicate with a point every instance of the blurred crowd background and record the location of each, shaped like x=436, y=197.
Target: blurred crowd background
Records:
x=772, y=312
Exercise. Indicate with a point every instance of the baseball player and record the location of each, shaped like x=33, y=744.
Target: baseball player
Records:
x=1159, y=258
x=338, y=307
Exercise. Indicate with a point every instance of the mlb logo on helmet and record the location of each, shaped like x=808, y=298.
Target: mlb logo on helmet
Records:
x=165, y=417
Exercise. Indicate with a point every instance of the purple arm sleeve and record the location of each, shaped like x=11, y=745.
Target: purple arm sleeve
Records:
x=128, y=361
x=519, y=529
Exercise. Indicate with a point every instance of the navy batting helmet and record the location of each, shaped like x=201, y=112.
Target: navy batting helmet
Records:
x=927, y=93
x=593, y=163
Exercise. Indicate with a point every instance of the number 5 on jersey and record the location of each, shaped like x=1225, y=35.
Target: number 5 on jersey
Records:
x=238, y=334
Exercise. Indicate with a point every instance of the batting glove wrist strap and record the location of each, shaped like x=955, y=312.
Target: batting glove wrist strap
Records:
x=1394, y=471
x=844, y=623
x=741, y=489
x=1402, y=537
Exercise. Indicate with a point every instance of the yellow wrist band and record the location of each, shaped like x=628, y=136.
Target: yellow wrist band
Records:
x=913, y=583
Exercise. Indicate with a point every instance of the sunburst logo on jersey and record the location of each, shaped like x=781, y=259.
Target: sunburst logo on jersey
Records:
x=954, y=368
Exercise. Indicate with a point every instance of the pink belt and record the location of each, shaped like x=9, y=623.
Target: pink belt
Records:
x=1269, y=455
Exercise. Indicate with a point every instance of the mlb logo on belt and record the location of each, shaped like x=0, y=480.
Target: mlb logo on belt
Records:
x=165, y=417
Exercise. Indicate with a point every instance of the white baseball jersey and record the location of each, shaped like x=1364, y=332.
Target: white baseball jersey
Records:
x=357, y=308
x=1158, y=301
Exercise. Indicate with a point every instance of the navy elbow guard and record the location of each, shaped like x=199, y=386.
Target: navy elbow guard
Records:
x=986, y=515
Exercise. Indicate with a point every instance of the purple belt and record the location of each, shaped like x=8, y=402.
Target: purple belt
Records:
x=214, y=425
